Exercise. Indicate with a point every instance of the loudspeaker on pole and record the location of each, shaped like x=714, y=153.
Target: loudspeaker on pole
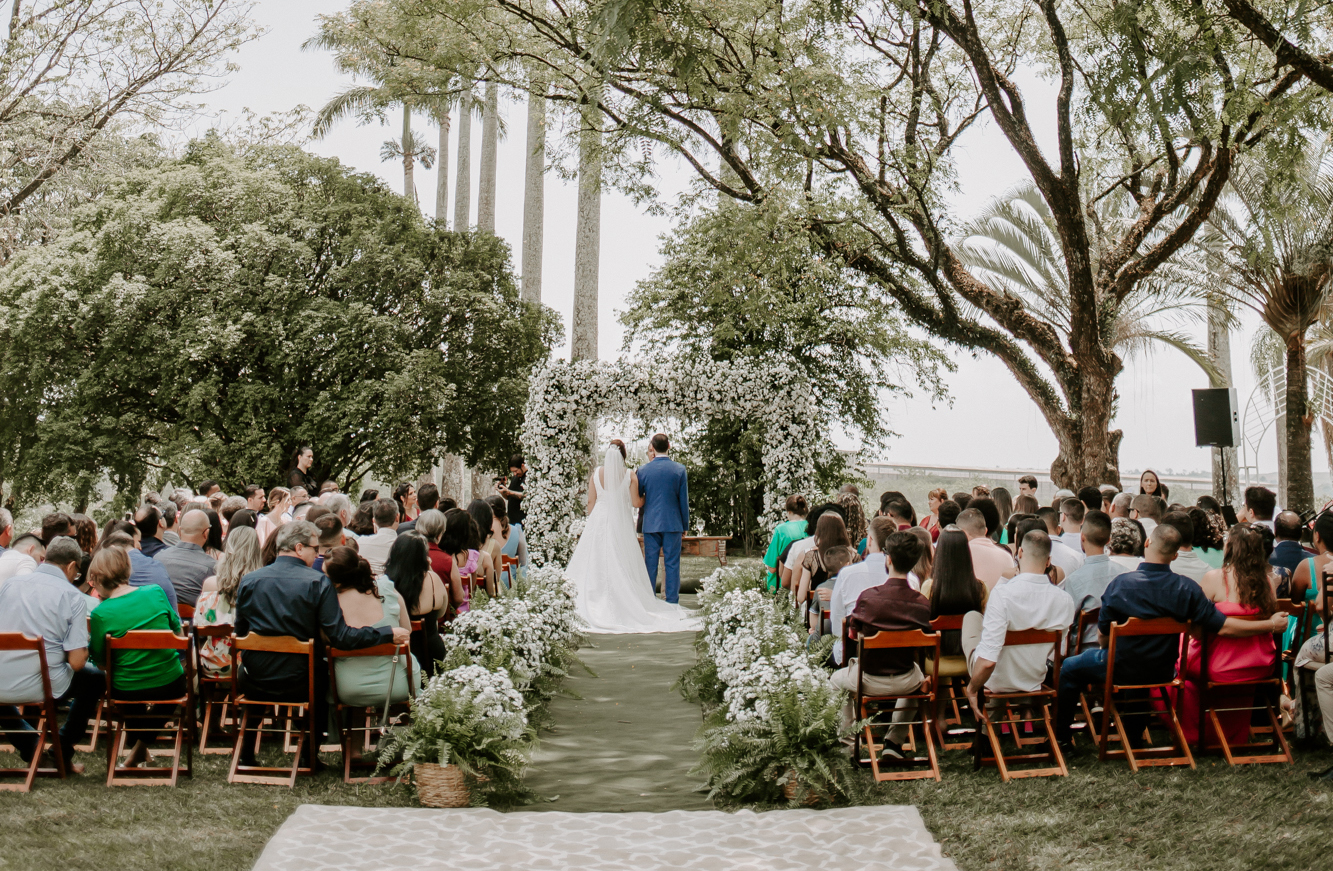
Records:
x=1216, y=418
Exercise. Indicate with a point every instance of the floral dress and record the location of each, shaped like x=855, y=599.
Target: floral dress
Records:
x=214, y=653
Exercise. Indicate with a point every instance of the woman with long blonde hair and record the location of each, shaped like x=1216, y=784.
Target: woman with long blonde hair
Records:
x=217, y=602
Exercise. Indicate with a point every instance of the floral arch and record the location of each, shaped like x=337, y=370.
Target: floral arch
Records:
x=564, y=396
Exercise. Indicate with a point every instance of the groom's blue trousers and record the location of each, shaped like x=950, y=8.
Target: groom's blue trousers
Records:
x=667, y=544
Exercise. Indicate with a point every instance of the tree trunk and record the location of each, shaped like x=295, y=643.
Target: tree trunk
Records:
x=442, y=176
x=1299, y=476
x=455, y=482
x=1089, y=452
x=587, y=241
x=534, y=197
x=490, y=143
x=409, y=157
x=1226, y=478
x=463, y=182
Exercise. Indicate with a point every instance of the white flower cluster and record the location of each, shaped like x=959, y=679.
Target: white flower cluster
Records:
x=505, y=630
x=563, y=396
x=488, y=693
x=757, y=653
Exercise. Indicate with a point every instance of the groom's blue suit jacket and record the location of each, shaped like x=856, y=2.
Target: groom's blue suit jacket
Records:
x=665, y=486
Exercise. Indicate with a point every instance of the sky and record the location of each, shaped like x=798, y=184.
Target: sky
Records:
x=989, y=421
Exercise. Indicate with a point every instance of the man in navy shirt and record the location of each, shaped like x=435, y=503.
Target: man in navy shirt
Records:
x=1151, y=591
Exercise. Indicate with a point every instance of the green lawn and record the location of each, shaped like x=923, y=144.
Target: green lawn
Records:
x=1100, y=817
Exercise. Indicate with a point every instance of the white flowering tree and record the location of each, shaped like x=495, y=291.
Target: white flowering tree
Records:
x=563, y=397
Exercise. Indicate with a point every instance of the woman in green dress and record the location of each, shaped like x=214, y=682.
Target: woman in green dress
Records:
x=363, y=681
x=792, y=529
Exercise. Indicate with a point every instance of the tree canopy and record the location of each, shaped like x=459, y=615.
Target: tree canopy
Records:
x=204, y=318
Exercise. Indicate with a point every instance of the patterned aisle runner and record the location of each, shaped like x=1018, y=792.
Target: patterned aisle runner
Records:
x=883, y=838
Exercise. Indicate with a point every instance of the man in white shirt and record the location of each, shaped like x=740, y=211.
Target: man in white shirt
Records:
x=857, y=578
x=990, y=562
x=1146, y=511
x=21, y=557
x=1120, y=505
x=1027, y=601
x=1071, y=523
x=1068, y=559
x=375, y=548
x=1187, y=562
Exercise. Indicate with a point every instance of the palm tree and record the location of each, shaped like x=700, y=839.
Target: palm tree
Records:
x=412, y=149
x=534, y=194
x=587, y=234
x=1271, y=235
x=1013, y=243
x=490, y=143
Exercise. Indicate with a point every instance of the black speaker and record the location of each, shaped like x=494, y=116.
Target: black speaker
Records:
x=1216, y=418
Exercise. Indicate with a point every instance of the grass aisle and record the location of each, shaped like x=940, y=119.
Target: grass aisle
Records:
x=625, y=745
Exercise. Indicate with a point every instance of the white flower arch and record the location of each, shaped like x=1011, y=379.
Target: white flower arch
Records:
x=563, y=396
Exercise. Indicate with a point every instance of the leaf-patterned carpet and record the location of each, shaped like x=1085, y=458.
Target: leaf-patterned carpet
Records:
x=319, y=837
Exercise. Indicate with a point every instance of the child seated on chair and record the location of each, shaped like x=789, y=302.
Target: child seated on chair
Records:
x=835, y=560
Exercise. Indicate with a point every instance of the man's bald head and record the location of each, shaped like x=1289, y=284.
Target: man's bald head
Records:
x=194, y=527
x=972, y=522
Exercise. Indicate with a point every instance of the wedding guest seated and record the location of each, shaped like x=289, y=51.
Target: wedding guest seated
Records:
x=1093, y=498
x=953, y=588
x=1150, y=591
x=409, y=572
x=217, y=602
x=1187, y=562
x=516, y=543
x=790, y=572
x=146, y=675
x=290, y=598
x=1147, y=510
x=1071, y=522
x=375, y=548
x=489, y=549
x=1208, y=537
x=830, y=532
x=1086, y=585
x=1026, y=601
x=890, y=606
x=331, y=535
x=22, y=556
x=187, y=565
x=1287, y=550
x=856, y=578
x=990, y=561
x=144, y=570
x=45, y=603
x=428, y=497
x=949, y=512
x=431, y=526
x=1125, y=543
x=931, y=522
x=962, y=498
x=1240, y=587
x=1066, y=558
x=920, y=572
x=901, y=513
x=369, y=601
x=149, y=522
x=835, y=560
x=1260, y=503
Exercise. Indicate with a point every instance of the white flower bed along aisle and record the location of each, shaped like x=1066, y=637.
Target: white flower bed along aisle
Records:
x=770, y=715
x=563, y=397
x=505, y=660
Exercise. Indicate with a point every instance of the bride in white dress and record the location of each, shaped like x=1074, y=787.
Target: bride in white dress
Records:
x=608, y=568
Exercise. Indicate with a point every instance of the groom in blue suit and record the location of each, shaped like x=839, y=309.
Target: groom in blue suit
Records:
x=664, y=489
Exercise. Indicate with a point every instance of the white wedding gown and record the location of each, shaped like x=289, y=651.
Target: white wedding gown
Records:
x=608, y=569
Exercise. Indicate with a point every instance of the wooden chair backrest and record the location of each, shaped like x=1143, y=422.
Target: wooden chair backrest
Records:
x=273, y=644
x=377, y=650
x=947, y=622
x=20, y=641
x=1135, y=627
x=185, y=611
x=417, y=625
x=148, y=639
x=220, y=630
x=1085, y=619
x=1023, y=637
x=886, y=640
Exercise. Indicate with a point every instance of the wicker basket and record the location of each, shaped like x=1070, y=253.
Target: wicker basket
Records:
x=441, y=785
x=793, y=784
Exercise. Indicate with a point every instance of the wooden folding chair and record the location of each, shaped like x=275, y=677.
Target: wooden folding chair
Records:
x=1178, y=753
x=1088, y=708
x=214, y=694
x=343, y=714
x=98, y=721
x=870, y=707
x=120, y=730
x=290, y=711
x=509, y=569
x=1012, y=705
x=186, y=613
x=1220, y=697
x=45, y=731
x=951, y=696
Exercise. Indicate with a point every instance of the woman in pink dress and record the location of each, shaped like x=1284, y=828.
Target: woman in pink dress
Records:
x=1241, y=587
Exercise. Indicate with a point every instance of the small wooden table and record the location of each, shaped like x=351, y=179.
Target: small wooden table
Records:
x=702, y=545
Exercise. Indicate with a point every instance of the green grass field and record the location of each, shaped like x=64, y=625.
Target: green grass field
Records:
x=1101, y=817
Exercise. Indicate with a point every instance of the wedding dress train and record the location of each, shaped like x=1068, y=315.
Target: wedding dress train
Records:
x=608, y=569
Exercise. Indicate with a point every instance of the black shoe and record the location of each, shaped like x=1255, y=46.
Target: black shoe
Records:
x=892, y=751
x=1067, y=748
x=1326, y=774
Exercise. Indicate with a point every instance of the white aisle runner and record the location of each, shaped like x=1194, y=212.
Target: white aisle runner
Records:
x=478, y=839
